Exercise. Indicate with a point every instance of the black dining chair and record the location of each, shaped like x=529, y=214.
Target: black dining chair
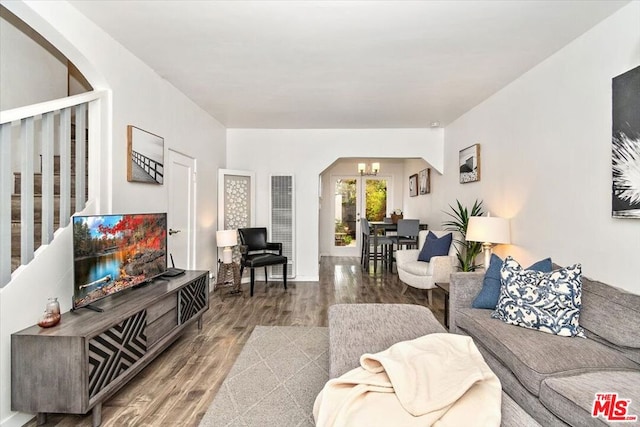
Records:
x=257, y=252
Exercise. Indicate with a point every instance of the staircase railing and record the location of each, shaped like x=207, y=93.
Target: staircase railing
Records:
x=47, y=130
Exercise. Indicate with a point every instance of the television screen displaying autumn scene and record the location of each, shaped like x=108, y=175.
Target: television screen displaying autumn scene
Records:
x=115, y=252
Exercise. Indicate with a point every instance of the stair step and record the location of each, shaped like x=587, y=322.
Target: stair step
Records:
x=37, y=184
x=15, y=263
x=56, y=163
x=37, y=207
x=37, y=237
x=15, y=239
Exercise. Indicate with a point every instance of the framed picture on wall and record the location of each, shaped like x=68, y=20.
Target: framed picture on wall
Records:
x=413, y=185
x=625, y=150
x=145, y=156
x=469, y=162
x=425, y=181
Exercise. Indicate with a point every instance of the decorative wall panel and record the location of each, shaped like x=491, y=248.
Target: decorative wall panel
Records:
x=236, y=196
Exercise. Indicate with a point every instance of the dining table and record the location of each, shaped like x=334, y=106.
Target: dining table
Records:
x=385, y=227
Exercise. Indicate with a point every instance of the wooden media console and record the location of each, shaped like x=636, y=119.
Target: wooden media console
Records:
x=76, y=365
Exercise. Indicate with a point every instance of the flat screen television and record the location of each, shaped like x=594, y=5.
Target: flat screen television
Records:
x=112, y=253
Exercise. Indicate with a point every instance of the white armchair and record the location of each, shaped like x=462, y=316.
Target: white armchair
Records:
x=424, y=275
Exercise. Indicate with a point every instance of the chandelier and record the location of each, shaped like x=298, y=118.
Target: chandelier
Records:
x=368, y=170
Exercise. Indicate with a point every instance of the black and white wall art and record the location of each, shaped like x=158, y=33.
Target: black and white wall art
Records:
x=625, y=152
x=145, y=156
x=425, y=181
x=413, y=185
x=469, y=162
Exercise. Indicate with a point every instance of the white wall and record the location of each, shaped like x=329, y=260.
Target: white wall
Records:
x=305, y=153
x=418, y=206
x=546, y=156
x=139, y=97
x=32, y=71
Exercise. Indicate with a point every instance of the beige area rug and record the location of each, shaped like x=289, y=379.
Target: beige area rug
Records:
x=275, y=379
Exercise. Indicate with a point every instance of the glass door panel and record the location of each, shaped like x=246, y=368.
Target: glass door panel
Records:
x=375, y=199
x=346, y=213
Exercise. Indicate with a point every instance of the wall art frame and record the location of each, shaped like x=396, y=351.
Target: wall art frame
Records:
x=469, y=164
x=413, y=185
x=145, y=156
x=625, y=145
x=425, y=181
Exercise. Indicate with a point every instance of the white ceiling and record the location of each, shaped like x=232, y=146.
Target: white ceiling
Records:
x=343, y=64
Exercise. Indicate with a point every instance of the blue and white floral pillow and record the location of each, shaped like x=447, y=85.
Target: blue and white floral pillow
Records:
x=548, y=302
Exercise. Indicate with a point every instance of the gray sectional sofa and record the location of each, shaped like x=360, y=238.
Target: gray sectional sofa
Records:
x=555, y=379
x=355, y=329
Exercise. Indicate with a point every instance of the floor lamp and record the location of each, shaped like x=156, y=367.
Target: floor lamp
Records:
x=489, y=230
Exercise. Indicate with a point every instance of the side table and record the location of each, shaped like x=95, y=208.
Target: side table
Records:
x=445, y=289
x=229, y=277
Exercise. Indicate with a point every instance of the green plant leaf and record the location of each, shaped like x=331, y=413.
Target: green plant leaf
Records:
x=459, y=222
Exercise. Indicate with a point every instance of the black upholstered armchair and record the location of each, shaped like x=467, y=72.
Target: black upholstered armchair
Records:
x=257, y=252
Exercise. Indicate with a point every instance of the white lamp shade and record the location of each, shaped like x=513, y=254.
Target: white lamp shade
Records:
x=361, y=167
x=488, y=229
x=375, y=167
x=226, y=238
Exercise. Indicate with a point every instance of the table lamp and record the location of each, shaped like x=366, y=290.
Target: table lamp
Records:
x=489, y=230
x=226, y=239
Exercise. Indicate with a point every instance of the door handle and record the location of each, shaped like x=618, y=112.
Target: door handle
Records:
x=172, y=231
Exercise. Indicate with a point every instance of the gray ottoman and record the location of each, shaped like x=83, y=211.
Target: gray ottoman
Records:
x=355, y=329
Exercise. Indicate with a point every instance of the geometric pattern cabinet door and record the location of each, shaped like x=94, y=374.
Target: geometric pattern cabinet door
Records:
x=192, y=299
x=114, y=351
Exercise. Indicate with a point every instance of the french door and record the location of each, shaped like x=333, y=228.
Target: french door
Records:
x=356, y=197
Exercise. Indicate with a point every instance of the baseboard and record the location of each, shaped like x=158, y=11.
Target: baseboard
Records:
x=295, y=279
x=17, y=419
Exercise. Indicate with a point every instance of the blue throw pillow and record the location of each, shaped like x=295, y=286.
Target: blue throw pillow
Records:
x=435, y=246
x=490, y=292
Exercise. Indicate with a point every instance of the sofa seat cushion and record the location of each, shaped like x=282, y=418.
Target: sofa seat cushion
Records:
x=532, y=355
x=571, y=398
x=419, y=268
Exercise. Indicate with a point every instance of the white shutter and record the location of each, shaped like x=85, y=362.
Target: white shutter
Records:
x=282, y=221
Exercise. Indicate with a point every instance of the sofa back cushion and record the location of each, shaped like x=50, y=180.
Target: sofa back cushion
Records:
x=611, y=313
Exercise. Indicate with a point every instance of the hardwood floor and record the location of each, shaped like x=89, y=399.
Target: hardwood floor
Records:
x=177, y=388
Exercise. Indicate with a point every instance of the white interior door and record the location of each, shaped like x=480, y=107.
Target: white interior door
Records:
x=182, y=208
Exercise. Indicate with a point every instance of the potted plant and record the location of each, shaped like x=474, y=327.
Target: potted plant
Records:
x=460, y=220
x=396, y=215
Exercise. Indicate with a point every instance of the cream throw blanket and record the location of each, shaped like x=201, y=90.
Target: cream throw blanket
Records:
x=437, y=379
